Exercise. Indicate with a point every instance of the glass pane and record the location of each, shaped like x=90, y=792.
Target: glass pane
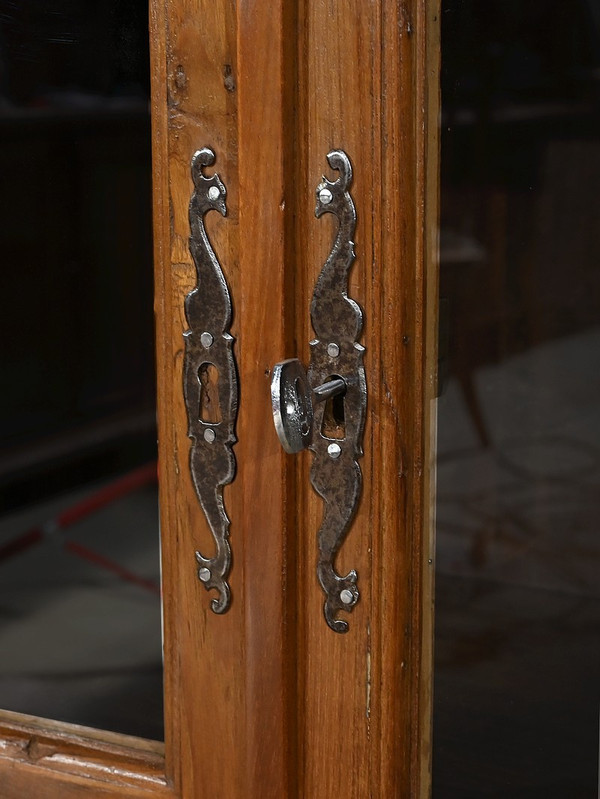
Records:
x=79, y=556
x=518, y=586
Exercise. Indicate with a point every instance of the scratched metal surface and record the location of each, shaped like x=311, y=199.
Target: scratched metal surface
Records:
x=337, y=319
x=208, y=310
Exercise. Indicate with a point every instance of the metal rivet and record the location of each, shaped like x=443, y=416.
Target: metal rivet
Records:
x=333, y=350
x=334, y=451
x=347, y=596
x=214, y=193
x=325, y=196
x=206, y=340
x=209, y=435
x=205, y=575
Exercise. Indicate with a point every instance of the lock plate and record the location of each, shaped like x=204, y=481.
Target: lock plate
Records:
x=325, y=409
x=210, y=380
x=335, y=352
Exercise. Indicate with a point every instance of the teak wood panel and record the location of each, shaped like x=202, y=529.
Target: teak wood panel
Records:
x=368, y=83
x=267, y=701
x=43, y=759
x=227, y=681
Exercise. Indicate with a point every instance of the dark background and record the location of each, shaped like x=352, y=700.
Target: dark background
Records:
x=517, y=645
x=80, y=626
x=75, y=244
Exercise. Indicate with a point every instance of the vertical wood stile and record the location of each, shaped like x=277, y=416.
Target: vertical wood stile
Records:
x=308, y=712
x=367, y=85
x=267, y=267
x=195, y=105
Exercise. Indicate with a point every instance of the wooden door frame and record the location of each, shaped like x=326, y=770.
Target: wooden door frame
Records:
x=245, y=715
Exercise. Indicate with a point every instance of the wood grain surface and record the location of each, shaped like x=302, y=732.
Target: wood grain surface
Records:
x=368, y=85
x=194, y=59
x=47, y=759
x=265, y=472
x=267, y=701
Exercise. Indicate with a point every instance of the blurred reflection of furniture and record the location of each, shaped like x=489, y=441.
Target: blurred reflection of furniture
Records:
x=461, y=257
x=78, y=401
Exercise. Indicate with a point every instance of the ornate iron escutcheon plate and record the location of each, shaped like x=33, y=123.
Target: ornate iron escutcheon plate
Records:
x=337, y=430
x=210, y=379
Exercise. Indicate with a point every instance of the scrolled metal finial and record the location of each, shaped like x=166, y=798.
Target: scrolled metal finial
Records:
x=338, y=160
x=202, y=157
x=210, y=379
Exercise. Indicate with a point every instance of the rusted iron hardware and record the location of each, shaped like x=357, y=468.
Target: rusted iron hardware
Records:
x=325, y=409
x=210, y=379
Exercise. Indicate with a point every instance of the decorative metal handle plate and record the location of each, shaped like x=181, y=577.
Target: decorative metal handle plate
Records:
x=210, y=379
x=338, y=423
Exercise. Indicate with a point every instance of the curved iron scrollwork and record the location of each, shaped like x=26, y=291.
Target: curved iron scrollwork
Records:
x=338, y=424
x=210, y=379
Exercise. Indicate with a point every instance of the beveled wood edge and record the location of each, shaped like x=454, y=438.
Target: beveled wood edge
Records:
x=409, y=742
x=36, y=749
x=266, y=219
x=29, y=780
x=22, y=722
x=431, y=103
x=161, y=237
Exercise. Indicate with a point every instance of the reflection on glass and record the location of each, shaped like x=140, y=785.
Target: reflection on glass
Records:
x=518, y=585
x=79, y=602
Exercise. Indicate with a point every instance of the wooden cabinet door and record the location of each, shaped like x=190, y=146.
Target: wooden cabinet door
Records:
x=266, y=700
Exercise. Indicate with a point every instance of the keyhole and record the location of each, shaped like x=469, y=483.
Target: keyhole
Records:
x=334, y=415
x=210, y=408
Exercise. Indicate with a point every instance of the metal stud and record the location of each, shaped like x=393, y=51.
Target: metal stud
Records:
x=346, y=596
x=334, y=451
